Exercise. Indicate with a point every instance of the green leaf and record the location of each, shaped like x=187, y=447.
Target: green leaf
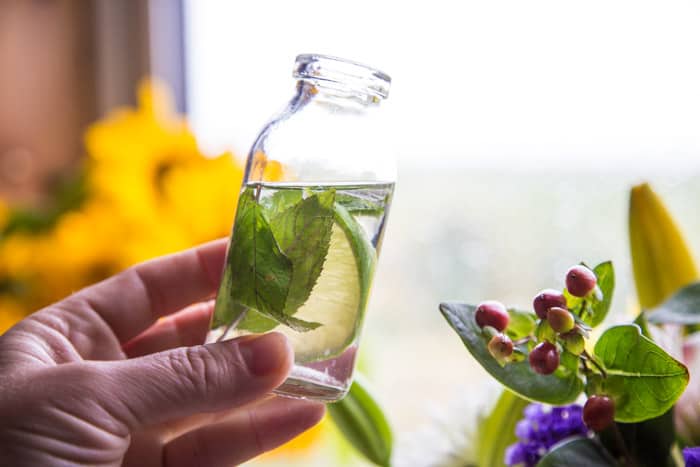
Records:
x=682, y=308
x=591, y=310
x=303, y=232
x=642, y=378
x=360, y=205
x=257, y=274
x=256, y=322
x=281, y=201
x=562, y=387
x=649, y=442
x=577, y=452
x=605, y=273
x=661, y=259
x=521, y=323
x=497, y=431
x=362, y=422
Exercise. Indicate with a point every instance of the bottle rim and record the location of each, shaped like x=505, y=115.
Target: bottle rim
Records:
x=338, y=72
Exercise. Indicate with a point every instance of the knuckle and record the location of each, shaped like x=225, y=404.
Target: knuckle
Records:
x=201, y=368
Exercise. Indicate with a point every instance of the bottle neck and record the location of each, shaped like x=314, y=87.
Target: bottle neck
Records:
x=335, y=94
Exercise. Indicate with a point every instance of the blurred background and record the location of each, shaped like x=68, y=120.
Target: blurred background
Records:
x=519, y=129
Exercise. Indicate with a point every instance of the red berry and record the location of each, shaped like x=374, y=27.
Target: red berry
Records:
x=599, y=412
x=492, y=313
x=500, y=346
x=544, y=358
x=580, y=281
x=547, y=299
x=560, y=319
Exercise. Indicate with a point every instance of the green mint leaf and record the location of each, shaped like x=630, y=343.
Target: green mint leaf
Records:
x=281, y=201
x=642, y=378
x=591, y=310
x=256, y=322
x=562, y=387
x=361, y=203
x=682, y=308
x=577, y=451
x=258, y=274
x=304, y=234
x=361, y=420
x=226, y=311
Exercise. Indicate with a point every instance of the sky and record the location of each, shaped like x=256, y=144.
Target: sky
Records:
x=498, y=84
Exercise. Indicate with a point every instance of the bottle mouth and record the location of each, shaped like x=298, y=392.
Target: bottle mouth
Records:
x=341, y=74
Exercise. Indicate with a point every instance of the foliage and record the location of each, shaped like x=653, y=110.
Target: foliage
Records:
x=626, y=366
x=359, y=417
x=145, y=189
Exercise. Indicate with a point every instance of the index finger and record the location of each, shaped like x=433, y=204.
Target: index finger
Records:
x=134, y=299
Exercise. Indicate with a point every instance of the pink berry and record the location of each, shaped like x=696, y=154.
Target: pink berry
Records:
x=492, y=313
x=599, y=412
x=544, y=358
x=560, y=319
x=500, y=346
x=547, y=299
x=580, y=281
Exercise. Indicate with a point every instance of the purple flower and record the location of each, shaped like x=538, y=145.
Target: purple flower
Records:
x=692, y=457
x=540, y=429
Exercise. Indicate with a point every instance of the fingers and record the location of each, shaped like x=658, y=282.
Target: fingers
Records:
x=185, y=328
x=157, y=388
x=131, y=301
x=247, y=434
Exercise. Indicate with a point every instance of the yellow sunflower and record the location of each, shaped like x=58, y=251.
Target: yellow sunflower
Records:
x=146, y=162
x=133, y=150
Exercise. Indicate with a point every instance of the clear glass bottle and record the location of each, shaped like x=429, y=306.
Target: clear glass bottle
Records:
x=314, y=203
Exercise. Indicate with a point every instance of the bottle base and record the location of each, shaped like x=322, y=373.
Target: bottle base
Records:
x=310, y=384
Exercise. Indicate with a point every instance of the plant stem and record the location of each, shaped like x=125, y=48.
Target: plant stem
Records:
x=629, y=459
x=522, y=340
x=586, y=355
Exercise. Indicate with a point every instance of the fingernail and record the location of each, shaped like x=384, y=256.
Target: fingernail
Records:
x=265, y=354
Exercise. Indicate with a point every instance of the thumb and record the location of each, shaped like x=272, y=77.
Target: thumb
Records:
x=189, y=380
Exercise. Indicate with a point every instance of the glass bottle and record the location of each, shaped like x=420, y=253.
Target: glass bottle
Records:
x=312, y=210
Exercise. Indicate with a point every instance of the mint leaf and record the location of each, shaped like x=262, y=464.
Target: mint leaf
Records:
x=256, y=322
x=281, y=201
x=643, y=379
x=682, y=308
x=561, y=387
x=258, y=274
x=304, y=234
x=357, y=204
x=226, y=310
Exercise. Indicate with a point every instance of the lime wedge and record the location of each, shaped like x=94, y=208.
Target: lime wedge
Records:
x=339, y=297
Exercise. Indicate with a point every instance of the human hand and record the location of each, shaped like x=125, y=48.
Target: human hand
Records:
x=97, y=379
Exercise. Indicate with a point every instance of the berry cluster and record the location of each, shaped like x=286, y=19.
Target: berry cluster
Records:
x=557, y=329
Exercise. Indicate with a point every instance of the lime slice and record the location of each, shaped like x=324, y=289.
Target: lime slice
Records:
x=339, y=297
